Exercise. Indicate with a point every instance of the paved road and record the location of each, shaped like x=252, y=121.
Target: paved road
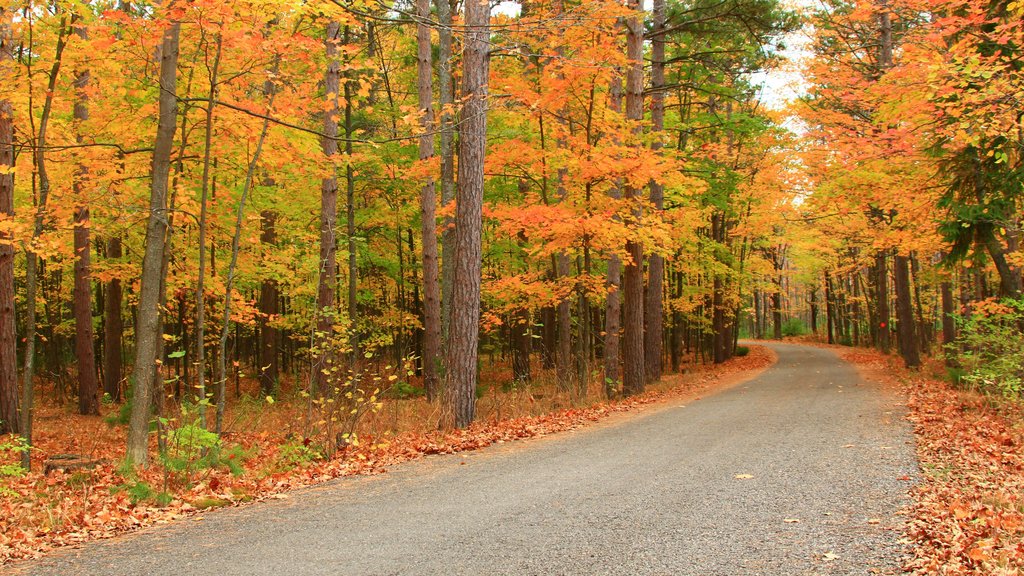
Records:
x=654, y=494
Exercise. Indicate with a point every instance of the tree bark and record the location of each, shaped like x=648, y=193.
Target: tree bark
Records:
x=9, y=418
x=613, y=304
x=882, y=301
x=905, y=312
x=428, y=203
x=464, y=331
x=654, y=309
x=148, y=325
x=113, y=328
x=325, y=301
x=269, y=297
x=85, y=356
x=446, y=97
x=633, y=282
x=200, y=328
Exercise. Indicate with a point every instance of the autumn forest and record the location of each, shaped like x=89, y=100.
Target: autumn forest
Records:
x=245, y=244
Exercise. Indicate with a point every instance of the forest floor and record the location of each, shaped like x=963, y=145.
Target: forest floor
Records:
x=274, y=448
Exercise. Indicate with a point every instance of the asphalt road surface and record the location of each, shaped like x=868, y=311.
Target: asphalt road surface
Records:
x=802, y=470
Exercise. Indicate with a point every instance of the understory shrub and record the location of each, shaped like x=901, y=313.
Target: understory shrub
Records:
x=990, y=348
x=793, y=327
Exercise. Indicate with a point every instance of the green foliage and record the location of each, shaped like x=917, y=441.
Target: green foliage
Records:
x=989, y=351
x=296, y=453
x=10, y=445
x=794, y=327
x=741, y=351
x=124, y=413
x=402, y=389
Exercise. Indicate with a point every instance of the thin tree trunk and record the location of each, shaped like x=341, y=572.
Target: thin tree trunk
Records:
x=948, y=322
x=250, y=175
x=613, y=305
x=200, y=328
x=464, y=331
x=113, y=328
x=654, y=309
x=269, y=296
x=830, y=313
x=9, y=421
x=446, y=97
x=325, y=302
x=85, y=355
x=32, y=261
x=882, y=301
x=350, y=222
x=148, y=326
x=428, y=202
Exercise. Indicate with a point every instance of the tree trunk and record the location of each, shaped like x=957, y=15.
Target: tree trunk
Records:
x=654, y=309
x=325, y=302
x=113, y=328
x=948, y=321
x=905, y=312
x=9, y=420
x=613, y=303
x=814, y=311
x=269, y=296
x=250, y=175
x=830, y=313
x=200, y=328
x=428, y=202
x=350, y=221
x=148, y=329
x=464, y=330
x=85, y=356
x=882, y=301
x=446, y=97
x=633, y=282
x=520, y=336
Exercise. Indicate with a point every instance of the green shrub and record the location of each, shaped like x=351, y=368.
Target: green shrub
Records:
x=989, y=351
x=9, y=446
x=793, y=327
x=741, y=351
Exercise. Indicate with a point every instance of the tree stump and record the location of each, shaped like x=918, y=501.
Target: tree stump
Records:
x=66, y=462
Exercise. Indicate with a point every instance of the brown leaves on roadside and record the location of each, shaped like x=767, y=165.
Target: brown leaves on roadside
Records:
x=968, y=516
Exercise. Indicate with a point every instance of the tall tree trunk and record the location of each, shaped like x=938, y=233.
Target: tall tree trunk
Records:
x=350, y=217
x=654, y=309
x=882, y=301
x=446, y=97
x=325, y=301
x=948, y=322
x=9, y=420
x=85, y=355
x=428, y=202
x=830, y=313
x=814, y=310
x=520, y=336
x=148, y=324
x=32, y=261
x=113, y=328
x=464, y=330
x=905, y=312
x=613, y=305
x=200, y=328
x=269, y=296
x=250, y=175
x=633, y=282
